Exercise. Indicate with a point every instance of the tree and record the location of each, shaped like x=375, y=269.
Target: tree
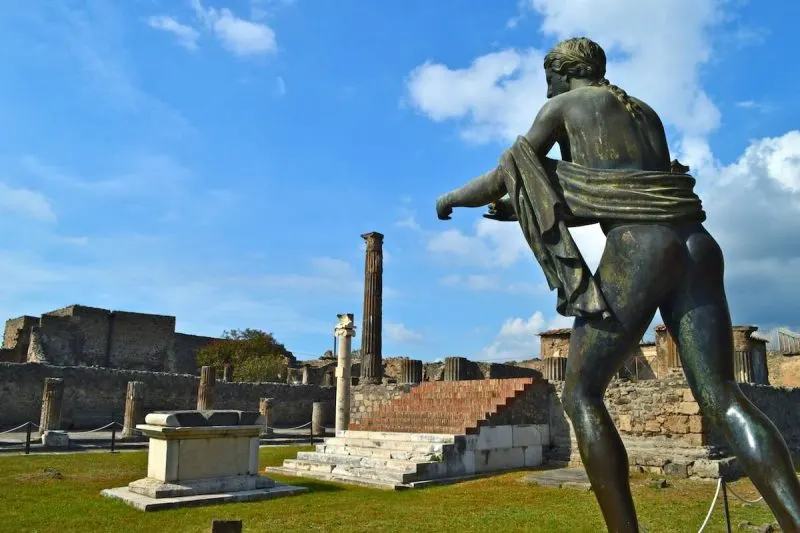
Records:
x=254, y=354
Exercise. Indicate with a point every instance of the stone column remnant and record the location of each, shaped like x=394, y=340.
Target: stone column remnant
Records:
x=305, y=375
x=345, y=330
x=52, y=397
x=410, y=371
x=317, y=418
x=455, y=369
x=205, y=392
x=133, y=408
x=265, y=408
x=371, y=354
x=743, y=366
x=227, y=373
x=328, y=379
x=555, y=368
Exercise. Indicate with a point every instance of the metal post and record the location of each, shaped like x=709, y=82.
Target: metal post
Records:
x=113, y=437
x=725, y=502
x=28, y=438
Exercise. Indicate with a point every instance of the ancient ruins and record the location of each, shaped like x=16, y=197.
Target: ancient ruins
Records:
x=400, y=422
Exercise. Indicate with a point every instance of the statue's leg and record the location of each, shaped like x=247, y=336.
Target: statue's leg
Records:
x=639, y=266
x=697, y=316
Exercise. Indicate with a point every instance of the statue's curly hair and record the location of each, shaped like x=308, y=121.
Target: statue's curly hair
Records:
x=580, y=57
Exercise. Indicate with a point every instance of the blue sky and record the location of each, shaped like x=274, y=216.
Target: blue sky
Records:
x=218, y=161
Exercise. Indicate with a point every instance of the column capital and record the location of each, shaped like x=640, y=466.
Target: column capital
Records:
x=374, y=240
x=346, y=326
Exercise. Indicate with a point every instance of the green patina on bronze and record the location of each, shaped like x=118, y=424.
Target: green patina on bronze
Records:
x=550, y=196
x=658, y=256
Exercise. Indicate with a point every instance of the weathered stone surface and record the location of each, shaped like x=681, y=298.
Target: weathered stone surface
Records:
x=371, y=331
x=93, y=396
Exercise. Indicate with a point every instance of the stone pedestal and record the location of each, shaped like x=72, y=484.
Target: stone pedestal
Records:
x=265, y=409
x=200, y=457
x=52, y=397
x=318, y=414
x=743, y=366
x=55, y=439
x=227, y=373
x=555, y=368
x=345, y=331
x=305, y=375
x=371, y=354
x=133, y=409
x=410, y=371
x=205, y=391
x=455, y=369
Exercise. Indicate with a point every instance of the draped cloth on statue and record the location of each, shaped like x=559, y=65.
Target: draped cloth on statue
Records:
x=550, y=196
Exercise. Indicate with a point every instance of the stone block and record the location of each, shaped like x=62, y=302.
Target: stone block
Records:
x=533, y=456
x=696, y=424
x=499, y=459
x=55, y=439
x=652, y=426
x=624, y=423
x=495, y=437
x=678, y=424
x=526, y=435
x=689, y=408
x=677, y=469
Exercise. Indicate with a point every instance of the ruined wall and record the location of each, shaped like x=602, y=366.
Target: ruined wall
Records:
x=554, y=343
x=16, y=339
x=140, y=341
x=505, y=371
x=784, y=370
x=184, y=354
x=366, y=399
x=78, y=335
x=95, y=396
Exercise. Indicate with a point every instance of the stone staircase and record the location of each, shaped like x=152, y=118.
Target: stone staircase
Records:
x=438, y=432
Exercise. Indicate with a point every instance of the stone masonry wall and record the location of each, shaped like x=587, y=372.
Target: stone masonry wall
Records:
x=95, y=396
x=185, y=353
x=366, y=399
x=784, y=370
x=141, y=341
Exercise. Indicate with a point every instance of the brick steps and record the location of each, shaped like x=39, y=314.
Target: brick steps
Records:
x=452, y=407
x=439, y=431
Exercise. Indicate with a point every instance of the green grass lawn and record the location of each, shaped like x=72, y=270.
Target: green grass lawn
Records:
x=32, y=499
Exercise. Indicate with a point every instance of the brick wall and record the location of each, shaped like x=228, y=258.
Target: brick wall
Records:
x=93, y=395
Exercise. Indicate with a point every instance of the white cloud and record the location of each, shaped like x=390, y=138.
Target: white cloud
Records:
x=186, y=35
x=495, y=244
x=498, y=94
x=280, y=86
x=240, y=36
x=25, y=202
x=518, y=337
x=397, y=332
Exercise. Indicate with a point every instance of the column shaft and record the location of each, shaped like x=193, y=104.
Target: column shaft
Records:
x=371, y=345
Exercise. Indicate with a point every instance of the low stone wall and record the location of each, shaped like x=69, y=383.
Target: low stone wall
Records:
x=94, y=396
x=663, y=430
x=366, y=399
x=784, y=370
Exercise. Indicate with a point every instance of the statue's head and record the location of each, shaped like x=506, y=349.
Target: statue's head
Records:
x=577, y=58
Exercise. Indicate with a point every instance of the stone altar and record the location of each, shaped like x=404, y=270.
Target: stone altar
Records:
x=200, y=458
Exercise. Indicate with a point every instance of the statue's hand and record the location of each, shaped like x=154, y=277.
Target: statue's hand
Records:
x=500, y=210
x=443, y=207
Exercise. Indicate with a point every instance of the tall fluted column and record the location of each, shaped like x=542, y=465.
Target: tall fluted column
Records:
x=555, y=368
x=410, y=371
x=52, y=396
x=345, y=331
x=371, y=355
x=743, y=366
x=456, y=369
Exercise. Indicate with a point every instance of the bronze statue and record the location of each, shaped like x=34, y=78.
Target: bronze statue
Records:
x=616, y=171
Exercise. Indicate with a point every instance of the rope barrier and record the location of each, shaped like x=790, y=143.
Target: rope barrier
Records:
x=97, y=429
x=289, y=429
x=19, y=427
x=744, y=500
x=713, y=504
